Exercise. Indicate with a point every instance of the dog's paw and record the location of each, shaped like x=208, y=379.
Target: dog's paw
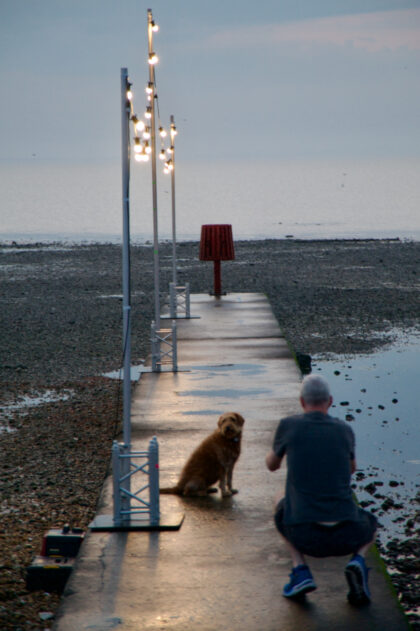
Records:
x=227, y=493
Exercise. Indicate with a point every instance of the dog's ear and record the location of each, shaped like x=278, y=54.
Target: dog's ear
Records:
x=221, y=420
x=239, y=419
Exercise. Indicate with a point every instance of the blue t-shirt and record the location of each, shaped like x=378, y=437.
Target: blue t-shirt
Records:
x=319, y=451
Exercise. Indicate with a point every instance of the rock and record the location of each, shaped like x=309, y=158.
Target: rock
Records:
x=304, y=362
x=46, y=615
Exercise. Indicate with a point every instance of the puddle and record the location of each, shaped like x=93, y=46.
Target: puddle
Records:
x=220, y=369
x=377, y=395
x=227, y=393
x=28, y=401
x=202, y=413
x=135, y=373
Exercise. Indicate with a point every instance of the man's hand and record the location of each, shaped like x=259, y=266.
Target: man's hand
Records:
x=272, y=461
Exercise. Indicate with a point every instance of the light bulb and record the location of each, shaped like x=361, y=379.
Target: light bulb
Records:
x=162, y=155
x=138, y=157
x=166, y=170
x=146, y=133
x=147, y=148
x=170, y=150
x=138, y=124
x=137, y=145
x=155, y=27
x=153, y=59
x=129, y=94
x=162, y=132
x=149, y=88
x=148, y=113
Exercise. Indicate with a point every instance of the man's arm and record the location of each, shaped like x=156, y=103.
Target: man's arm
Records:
x=272, y=461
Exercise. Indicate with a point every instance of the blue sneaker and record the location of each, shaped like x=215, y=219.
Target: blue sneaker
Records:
x=301, y=582
x=357, y=577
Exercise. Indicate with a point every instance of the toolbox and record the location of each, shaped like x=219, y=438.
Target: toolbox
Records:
x=49, y=574
x=62, y=542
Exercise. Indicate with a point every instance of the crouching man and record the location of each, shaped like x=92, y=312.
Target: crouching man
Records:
x=318, y=515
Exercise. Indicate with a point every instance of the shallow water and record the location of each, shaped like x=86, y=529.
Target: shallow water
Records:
x=28, y=401
x=378, y=395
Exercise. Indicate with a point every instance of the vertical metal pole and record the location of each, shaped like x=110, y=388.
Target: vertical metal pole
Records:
x=172, y=300
x=154, y=481
x=172, y=133
x=174, y=347
x=155, y=348
x=125, y=152
x=153, y=159
x=116, y=482
x=187, y=301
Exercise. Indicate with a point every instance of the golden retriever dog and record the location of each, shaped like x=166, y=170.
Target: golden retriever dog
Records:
x=212, y=461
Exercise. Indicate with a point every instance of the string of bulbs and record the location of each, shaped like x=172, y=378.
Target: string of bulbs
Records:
x=142, y=128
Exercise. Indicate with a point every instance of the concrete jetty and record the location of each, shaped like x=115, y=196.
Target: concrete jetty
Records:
x=224, y=569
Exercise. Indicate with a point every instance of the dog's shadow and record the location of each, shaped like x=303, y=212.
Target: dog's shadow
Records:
x=214, y=503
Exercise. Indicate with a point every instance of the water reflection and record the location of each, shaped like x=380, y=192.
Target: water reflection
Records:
x=378, y=395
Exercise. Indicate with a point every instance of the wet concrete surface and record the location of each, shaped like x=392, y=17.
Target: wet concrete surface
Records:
x=226, y=566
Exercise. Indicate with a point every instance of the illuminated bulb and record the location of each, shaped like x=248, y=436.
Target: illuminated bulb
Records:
x=146, y=133
x=174, y=130
x=147, y=148
x=153, y=59
x=162, y=132
x=149, y=89
x=139, y=125
x=129, y=94
x=155, y=27
x=137, y=145
x=138, y=157
x=162, y=155
x=145, y=157
x=170, y=150
x=169, y=165
x=148, y=113
x=166, y=170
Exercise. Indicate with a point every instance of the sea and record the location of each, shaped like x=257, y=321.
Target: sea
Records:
x=301, y=199
x=340, y=199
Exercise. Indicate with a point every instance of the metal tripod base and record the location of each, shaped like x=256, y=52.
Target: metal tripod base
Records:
x=167, y=521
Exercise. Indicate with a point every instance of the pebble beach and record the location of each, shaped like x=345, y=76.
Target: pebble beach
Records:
x=61, y=332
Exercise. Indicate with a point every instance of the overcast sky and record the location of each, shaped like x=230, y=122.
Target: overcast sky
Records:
x=245, y=80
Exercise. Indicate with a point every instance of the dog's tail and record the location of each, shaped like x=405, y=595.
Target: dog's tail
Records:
x=171, y=490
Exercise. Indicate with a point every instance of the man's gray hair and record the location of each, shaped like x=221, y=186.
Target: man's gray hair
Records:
x=315, y=390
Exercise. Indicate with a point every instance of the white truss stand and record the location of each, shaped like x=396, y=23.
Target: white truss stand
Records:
x=139, y=506
x=164, y=347
x=179, y=297
x=136, y=510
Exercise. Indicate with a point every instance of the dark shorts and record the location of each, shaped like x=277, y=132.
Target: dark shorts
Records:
x=316, y=540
